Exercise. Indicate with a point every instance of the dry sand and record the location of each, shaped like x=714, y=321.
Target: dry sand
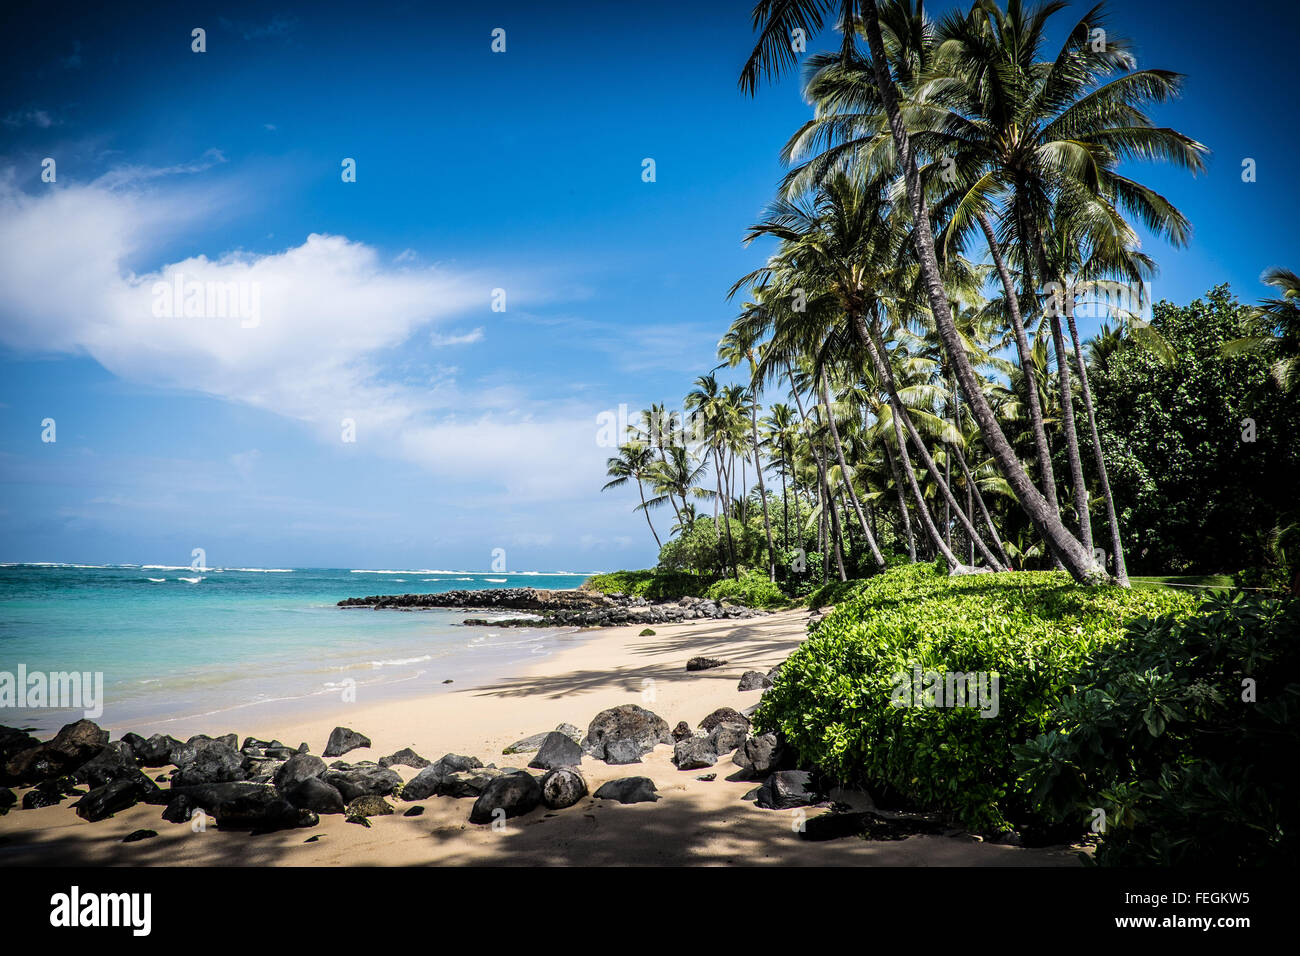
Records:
x=695, y=822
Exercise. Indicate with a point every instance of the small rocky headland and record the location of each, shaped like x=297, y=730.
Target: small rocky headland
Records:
x=558, y=608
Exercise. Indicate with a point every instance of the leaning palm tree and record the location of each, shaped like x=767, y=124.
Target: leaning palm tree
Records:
x=633, y=463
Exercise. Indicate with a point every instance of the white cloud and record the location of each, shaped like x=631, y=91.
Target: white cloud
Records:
x=440, y=339
x=332, y=313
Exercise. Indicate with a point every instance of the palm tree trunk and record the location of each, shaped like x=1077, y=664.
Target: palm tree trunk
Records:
x=646, y=511
x=970, y=509
x=971, y=486
x=902, y=500
x=844, y=471
x=1116, y=543
x=1071, y=435
x=785, y=509
x=762, y=490
x=928, y=522
x=1026, y=362
x=1079, y=562
x=875, y=347
x=836, y=531
x=726, y=523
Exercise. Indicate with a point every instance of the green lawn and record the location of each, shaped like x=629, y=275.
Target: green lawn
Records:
x=1185, y=581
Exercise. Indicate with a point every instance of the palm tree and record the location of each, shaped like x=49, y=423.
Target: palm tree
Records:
x=736, y=347
x=1276, y=329
x=779, y=431
x=633, y=462
x=713, y=421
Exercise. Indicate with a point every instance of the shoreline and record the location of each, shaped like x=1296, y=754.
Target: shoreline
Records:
x=696, y=822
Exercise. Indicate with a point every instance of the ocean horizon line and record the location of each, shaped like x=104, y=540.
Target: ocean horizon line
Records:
x=253, y=570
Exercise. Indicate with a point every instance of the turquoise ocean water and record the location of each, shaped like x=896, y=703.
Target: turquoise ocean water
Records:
x=221, y=647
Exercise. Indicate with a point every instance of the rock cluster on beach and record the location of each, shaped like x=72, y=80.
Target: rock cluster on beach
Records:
x=559, y=608
x=263, y=786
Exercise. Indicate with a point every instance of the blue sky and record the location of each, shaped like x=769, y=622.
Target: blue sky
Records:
x=475, y=429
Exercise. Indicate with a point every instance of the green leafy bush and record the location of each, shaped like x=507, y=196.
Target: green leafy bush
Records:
x=701, y=548
x=833, y=699
x=1163, y=740
x=653, y=585
x=754, y=589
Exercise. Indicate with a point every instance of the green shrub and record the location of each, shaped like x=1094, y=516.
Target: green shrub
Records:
x=833, y=698
x=754, y=589
x=653, y=585
x=1162, y=739
x=702, y=547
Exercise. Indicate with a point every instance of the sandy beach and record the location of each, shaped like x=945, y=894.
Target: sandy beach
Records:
x=695, y=823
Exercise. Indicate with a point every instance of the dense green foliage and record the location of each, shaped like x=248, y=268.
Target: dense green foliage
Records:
x=833, y=698
x=753, y=589
x=1194, y=496
x=701, y=548
x=1165, y=740
x=653, y=585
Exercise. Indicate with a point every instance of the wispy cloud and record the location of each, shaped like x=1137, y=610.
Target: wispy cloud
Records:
x=41, y=119
x=277, y=27
x=441, y=339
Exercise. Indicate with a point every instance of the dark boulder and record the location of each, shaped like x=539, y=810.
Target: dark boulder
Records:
x=694, y=753
x=117, y=794
x=239, y=805
x=557, y=750
x=406, y=757
x=704, y=663
x=369, y=805
x=313, y=793
x=262, y=769
x=628, y=790
x=753, y=680
x=428, y=781
x=81, y=737
x=761, y=755
x=534, y=742
x=787, y=789
x=727, y=737
x=362, y=781
x=14, y=741
x=135, y=836
x=682, y=731
x=463, y=784
x=622, y=751
x=342, y=740
x=628, y=722
x=7, y=799
x=208, y=761
x=179, y=810
x=72, y=746
x=115, y=760
x=527, y=745
x=563, y=787
x=295, y=770
x=154, y=752
x=723, y=715
x=513, y=793
x=42, y=796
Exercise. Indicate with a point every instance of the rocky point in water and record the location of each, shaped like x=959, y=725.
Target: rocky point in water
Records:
x=550, y=608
